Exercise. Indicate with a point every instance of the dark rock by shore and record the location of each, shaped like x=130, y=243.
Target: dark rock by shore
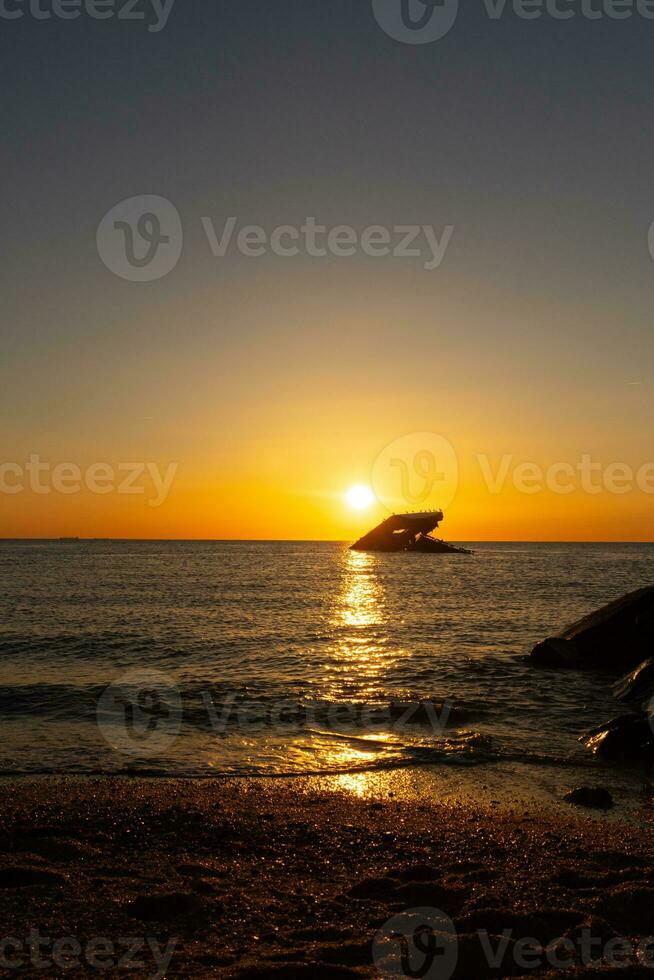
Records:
x=595, y=797
x=637, y=687
x=628, y=737
x=617, y=637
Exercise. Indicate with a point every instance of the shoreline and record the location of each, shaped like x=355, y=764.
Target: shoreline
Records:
x=490, y=784
x=256, y=878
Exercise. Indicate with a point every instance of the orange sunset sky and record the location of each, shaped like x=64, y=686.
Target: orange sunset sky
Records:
x=270, y=429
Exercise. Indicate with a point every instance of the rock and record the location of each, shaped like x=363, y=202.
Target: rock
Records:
x=556, y=651
x=345, y=954
x=376, y=888
x=578, y=880
x=59, y=851
x=429, y=894
x=594, y=925
x=638, y=686
x=324, y=933
x=494, y=921
x=25, y=877
x=617, y=860
x=592, y=796
x=628, y=908
x=297, y=971
x=617, y=636
x=47, y=830
x=202, y=886
x=628, y=736
x=194, y=870
x=560, y=920
x=419, y=872
x=159, y=908
x=485, y=955
x=543, y=925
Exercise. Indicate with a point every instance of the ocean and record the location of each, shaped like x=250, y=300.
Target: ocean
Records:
x=297, y=658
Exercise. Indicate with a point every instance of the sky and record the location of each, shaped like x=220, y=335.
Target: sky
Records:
x=249, y=392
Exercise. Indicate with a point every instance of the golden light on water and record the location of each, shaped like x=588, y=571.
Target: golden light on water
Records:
x=338, y=745
x=361, y=599
x=359, y=617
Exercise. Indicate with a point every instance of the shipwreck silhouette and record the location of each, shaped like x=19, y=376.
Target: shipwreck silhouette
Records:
x=407, y=532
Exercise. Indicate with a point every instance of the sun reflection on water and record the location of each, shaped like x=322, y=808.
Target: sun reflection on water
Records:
x=340, y=735
x=361, y=654
x=361, y=601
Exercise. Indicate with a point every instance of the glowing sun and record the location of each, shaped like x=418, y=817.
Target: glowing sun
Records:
x=359, y=497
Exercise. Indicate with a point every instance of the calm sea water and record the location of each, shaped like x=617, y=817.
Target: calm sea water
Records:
x=274, y=658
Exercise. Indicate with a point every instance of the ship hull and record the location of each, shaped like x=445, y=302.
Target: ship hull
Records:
x=407, y=532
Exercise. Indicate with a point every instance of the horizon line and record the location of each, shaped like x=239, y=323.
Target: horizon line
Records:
x=72, y=539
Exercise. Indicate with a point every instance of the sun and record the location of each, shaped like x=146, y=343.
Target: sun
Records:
x=360, y=497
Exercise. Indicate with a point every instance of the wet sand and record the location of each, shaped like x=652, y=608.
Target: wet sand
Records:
x=274, y=878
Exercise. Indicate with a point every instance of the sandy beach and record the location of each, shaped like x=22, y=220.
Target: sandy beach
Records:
x=271, y=878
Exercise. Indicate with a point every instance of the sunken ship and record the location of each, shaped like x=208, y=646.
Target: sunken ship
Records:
x=408, y=532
